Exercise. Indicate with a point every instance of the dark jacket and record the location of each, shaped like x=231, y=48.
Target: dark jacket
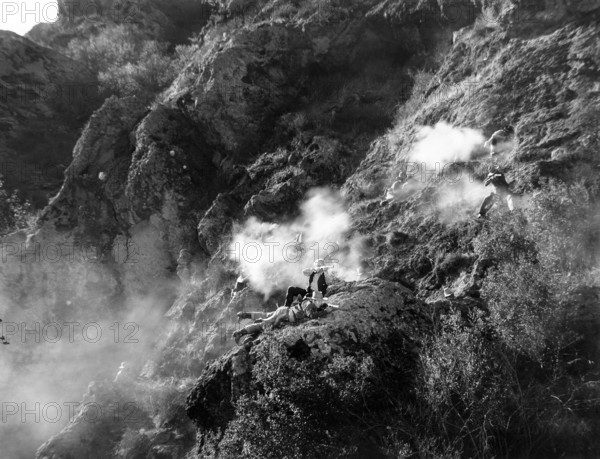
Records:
x=321, y=282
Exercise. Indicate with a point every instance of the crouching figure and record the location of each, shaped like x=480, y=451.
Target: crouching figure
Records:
x=500, y=189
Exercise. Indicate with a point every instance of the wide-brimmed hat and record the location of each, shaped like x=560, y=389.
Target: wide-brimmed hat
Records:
x=319, y=263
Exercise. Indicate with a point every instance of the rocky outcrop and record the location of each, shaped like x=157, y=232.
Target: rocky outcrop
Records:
x=368, y=310
x=44, y=99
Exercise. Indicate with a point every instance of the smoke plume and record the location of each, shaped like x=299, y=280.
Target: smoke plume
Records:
x=442, y=144
x=273, y=256
x=441, y=157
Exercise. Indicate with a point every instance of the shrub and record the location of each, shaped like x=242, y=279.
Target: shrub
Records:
x=464, y=389
x=114, y=46
x=15, y=213
x=152, y=72
x=523, y=306
x=566, y=225
x=506, y=239
x=412, y=103
x=127, y=63
x=316, y=407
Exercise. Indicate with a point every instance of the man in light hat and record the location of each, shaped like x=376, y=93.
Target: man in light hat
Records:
x=184, y=262
x=317, y=269
x=240, y=284
x=124, y=374
x=501, y=141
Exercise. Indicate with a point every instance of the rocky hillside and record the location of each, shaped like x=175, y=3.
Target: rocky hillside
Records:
x=173, y=22
x=467, y=337
x=45, y=99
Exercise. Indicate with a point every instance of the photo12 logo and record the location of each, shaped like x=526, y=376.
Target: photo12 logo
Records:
x=290, y=252
x=71, y=332
x=35, y=252
x=53, y=412
x=35, y=12
x=121, y=12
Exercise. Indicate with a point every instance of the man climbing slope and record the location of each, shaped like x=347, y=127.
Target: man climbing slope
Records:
x=501, y=141
x=500, y=189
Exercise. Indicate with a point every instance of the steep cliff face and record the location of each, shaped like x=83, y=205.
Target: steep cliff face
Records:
x=172, y=22
x=144, y=179
x=44, y=100
x=540, y=80
x=279, y=99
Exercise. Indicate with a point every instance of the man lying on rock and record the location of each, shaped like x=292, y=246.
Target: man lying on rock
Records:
x=299, y=309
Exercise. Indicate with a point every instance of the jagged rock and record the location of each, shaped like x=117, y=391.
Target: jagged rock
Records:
x=367, y=309
x=162, y=20
x=97, y=426
x=210, y=403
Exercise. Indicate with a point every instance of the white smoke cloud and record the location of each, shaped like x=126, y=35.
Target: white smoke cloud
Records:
x=273, y=256
x=442, y=144
x=460, y=201
x=440, y=157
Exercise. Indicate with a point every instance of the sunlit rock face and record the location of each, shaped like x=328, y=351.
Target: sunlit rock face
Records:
x=277, y=100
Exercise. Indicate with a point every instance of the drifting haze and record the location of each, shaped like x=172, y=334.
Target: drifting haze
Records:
x=48, y=365
x=273, y=255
